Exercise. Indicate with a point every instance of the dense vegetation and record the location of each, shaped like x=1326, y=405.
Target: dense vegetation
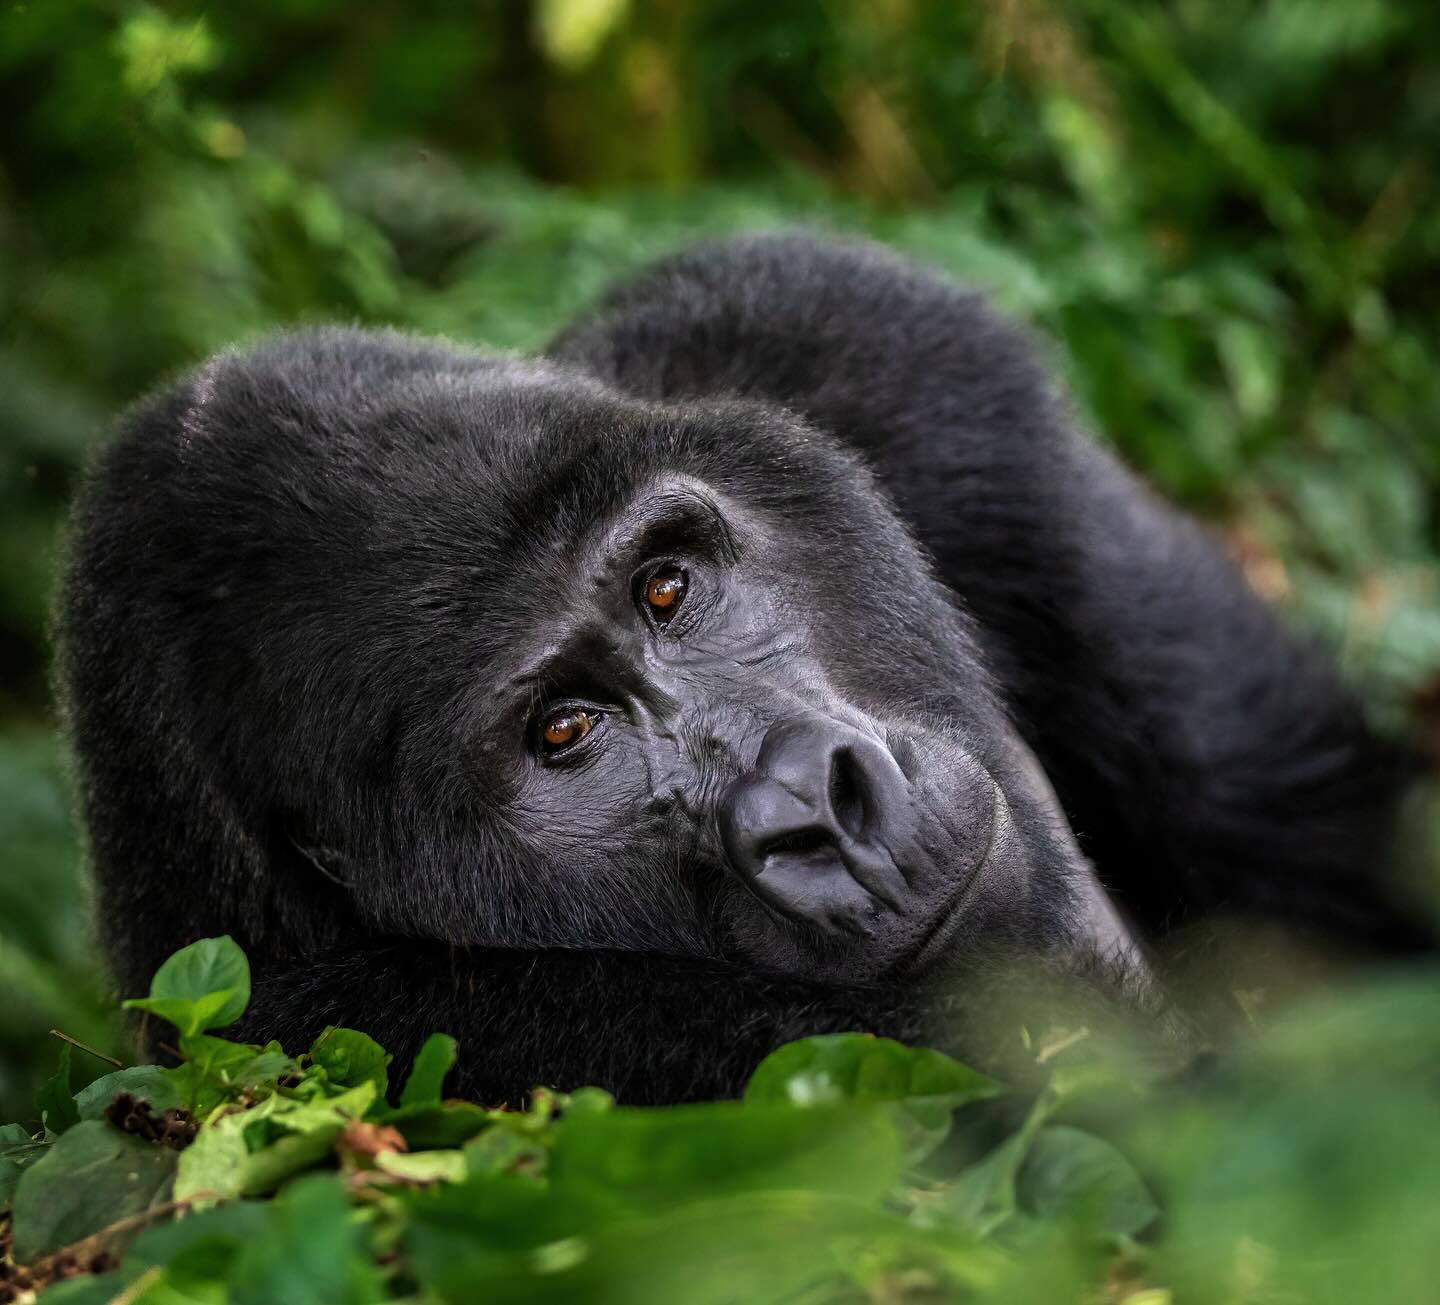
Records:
x=1225, y=217
x=854, y=1169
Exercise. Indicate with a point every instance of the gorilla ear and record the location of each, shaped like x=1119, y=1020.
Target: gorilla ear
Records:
x=328, y=861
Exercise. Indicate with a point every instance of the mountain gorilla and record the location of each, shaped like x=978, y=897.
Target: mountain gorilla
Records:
x=765, y=660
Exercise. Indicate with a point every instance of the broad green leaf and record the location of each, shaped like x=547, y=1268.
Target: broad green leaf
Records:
x=312, y=1253
x=208, y=966
x=54, y=1100
x=655, y=1158
x=103, y=1290
x=983, y=1197
x=217, y=1058
x=269, y=1066
x=492, y=1221
x=1071, y=1172
x=504, y=1150
x=858, y=1067
x=148, y=1083
x=224, y=1229
x=92, y=1177
x=18, y=1151
x=212, y=1167
x=190, y=1016
x=14, y=1135
x=350, y=1058
x=237, y=1066
x=203, y=986
x=429, y=1126
x=504, y=1241
x=427, y=1077
x=927, y=1085
x=197, y=1253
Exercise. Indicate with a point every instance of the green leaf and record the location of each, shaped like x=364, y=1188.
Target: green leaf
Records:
x=858, y=1067
x=427, y=1077
x=503, y=1150
x=87, y=1291
x=653, y=1159
x=92, y=1177
x=226, y=1228
x=350, y=1058
x=212, y=1166
x=927, y=1085
x=588, y=1101
x=54, y=1100
x=240, y=1067
x=499, y=1240
x=188, y=1016
x=1071, y=1172
x=221, y=1071
x=206, y=967
x=268, y=1067
x=427, y=1127
x=983, y=1197
x=203, y=986
x=148, y=1083
x=18, y=1151
x=307, y=1133
x=312, y=1253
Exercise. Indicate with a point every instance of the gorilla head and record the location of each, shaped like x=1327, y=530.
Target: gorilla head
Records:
x=372, y=637
x=483, y=651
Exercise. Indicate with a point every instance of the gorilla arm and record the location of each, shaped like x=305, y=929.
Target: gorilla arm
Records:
x=657, y=1029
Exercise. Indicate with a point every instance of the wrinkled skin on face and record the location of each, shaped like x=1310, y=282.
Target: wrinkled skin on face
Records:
x=744, y=670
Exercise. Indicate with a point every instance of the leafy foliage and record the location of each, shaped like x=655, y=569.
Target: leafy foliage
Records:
x=1223, y=217
x=833, y=1180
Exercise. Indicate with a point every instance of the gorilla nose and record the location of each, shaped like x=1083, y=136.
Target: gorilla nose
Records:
x=808, y=830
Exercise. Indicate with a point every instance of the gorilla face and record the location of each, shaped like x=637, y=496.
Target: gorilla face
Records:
x=681, y=702
x=688, y=725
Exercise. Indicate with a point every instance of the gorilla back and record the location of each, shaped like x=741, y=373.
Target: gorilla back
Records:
x=747, y=667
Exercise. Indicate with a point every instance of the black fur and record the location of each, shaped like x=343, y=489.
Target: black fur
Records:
x=294, y=570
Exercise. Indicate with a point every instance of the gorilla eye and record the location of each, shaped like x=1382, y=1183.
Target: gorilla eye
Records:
x=566, y=727
x=664, y=592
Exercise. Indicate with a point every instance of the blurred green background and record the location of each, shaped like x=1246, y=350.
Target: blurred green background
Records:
x=1224, y=216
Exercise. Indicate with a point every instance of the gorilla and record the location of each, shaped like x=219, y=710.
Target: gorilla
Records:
x=772, y=656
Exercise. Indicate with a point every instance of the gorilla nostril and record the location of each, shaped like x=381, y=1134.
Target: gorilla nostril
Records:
x=847, y=792
x=796, y=843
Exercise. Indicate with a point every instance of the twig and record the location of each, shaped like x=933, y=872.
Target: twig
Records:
x=83, y=1046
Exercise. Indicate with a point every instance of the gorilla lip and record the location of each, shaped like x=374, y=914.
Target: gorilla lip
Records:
x=951, y=918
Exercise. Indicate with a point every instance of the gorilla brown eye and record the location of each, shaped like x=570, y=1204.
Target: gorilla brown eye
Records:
x=566, y=726
x=664, y=592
